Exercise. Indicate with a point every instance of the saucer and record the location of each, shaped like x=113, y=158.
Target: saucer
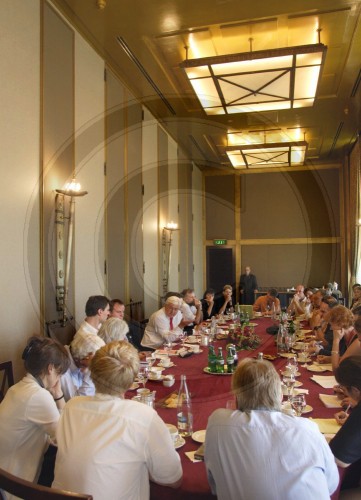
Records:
x=179, y=443
x=199, y=436
x=165, y=367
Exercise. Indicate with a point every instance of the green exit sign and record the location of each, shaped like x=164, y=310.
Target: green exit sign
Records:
x=220, y=242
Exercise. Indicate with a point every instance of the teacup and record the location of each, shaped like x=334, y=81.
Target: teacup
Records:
x=168, y=380
x=173, y=431
x=155, y=374
x=165, y=362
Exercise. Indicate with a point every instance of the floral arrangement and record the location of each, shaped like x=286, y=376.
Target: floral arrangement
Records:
x=245, y=339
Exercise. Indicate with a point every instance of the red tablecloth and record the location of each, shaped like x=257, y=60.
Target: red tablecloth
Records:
x=210, y=392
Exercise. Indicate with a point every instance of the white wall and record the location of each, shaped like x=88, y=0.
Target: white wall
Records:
x=19, y=167
x=173, y=212
x=89, y=161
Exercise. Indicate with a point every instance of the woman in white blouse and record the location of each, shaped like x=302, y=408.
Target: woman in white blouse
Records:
x=29, y=412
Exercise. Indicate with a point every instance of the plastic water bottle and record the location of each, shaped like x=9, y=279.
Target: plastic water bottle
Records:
x=184, y=410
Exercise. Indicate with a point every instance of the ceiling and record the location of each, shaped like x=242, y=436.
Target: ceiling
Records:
x=145, y=41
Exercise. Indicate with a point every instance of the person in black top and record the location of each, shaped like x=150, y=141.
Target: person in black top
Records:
x=247, y=287
x=208, y=306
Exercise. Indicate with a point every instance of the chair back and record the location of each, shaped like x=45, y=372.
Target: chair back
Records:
x=63, y=333
x=6, y=378
x=30, y=491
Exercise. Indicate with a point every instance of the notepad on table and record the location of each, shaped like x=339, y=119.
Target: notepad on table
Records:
x=327, y=425
x=330, y=400
x=325, y=381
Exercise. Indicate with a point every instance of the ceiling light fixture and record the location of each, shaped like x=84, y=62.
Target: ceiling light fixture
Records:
x=265, y=80
x=281, y=154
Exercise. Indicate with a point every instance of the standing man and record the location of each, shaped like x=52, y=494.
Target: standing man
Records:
x=247, y=287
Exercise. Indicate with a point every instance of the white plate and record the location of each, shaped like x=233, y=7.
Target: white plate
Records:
x=307, y=409
x=318, y=368
x=133, y=387
x=199, y=436
x=160, y=379
x=179, y=443
x=287, y=355
x=165, y=367
x=191, y=342
x=157, y=369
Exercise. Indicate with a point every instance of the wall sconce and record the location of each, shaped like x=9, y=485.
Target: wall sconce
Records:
x=71, y=191
x=167, y=236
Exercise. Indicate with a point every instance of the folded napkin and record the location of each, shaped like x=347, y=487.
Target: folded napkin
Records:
x=325, y=381
x=326, y=425
x=300, y=391
x=330, y=401
x=197, y=455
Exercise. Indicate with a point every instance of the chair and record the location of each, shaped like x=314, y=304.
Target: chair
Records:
x=7, y=377
x=30, y=491
x=63, y=333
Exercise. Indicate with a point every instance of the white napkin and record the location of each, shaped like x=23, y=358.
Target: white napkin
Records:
x=317, y=367
x=325, y=381
x=300, y=391
x=330, y=401
x=327, y=425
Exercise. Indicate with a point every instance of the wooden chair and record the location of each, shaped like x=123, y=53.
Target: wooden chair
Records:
x=30, y=491
x=63, y=333
x=6, y=377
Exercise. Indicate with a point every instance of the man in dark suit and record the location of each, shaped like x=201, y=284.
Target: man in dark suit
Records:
x=247, y=286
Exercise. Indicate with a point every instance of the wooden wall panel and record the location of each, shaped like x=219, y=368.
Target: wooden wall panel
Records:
x=220, y=207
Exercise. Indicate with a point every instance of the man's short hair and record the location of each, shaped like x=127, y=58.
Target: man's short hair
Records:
x=84, y=344
x=113, y=302
x=272, y=292
x=113, y=329
x=257, y=385
x=186, y=291
x=114, y=368
x=94, y=303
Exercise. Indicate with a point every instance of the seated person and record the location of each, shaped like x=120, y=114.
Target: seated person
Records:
x=109, y=446
x=259, y=437
x=191, y=309
x=346, y=445
x=315, y=317
x=29, y=413
x=113, y=329
x=323, y=332
x=268, y=303
x=300, y=303
x=224, y=302
x=356, y=301
x=136, y=329
x=97, y=311
x=208, y=306
x=166, y=323
x=77, y=380
x=345, y=342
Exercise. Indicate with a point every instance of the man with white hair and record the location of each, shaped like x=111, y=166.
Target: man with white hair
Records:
x=77, y=380
x=164, y=324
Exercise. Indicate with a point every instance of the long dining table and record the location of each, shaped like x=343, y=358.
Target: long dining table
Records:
x=209, y=392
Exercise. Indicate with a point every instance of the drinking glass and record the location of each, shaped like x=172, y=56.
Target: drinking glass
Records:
x=292, y=365
x=182, y=336
x=289, y=381
x=298, y=403
x=167, y=342
x=143, y=373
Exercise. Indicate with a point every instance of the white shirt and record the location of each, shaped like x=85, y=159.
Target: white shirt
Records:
x=28, y=414
x=76, y=382
x=157, y=328
x=85, y=328
x=268, y=455
x=188, y=312
x=108, y=447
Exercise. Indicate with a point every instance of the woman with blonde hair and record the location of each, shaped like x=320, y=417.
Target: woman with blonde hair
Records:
x=113, y=329
x=255, y=451
x=109, y=446
x=29, y=413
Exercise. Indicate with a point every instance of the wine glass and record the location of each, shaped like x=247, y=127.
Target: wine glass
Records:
x=289, y=381
x=292, y=365
x=167, y=342
x=143, y=373
x=182, y=336
x=298, y=403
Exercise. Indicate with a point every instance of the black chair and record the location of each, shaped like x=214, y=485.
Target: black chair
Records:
x=30, y=491
x=7, y=377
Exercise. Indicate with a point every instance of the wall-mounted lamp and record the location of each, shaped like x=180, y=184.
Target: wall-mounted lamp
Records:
x=71, y=191
x=167, y=236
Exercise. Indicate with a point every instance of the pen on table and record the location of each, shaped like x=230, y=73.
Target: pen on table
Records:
x=347, y=409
